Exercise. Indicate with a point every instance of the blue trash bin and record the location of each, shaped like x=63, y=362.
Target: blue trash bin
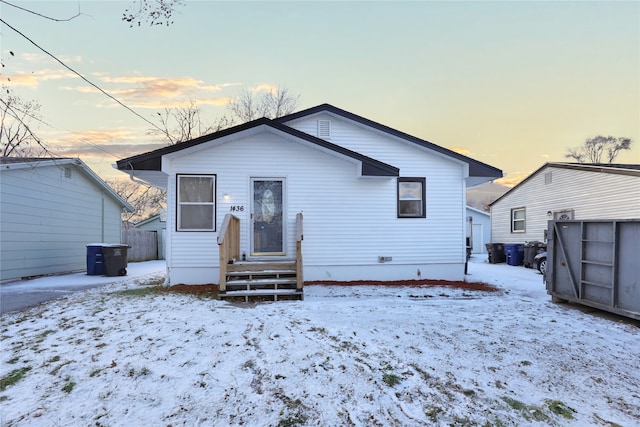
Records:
x=95, y=260
x=514, y=253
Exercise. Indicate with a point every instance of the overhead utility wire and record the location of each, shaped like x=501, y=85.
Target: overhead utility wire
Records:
x=84, y=78
x=41, y=15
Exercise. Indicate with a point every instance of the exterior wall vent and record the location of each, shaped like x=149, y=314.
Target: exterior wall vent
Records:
x=324, y=129
x=67, y=172
x=547, y=178
x=564, y=215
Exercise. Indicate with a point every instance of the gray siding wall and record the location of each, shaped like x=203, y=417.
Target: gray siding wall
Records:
x=591, y=195
x=47, y=219
x=348, y=221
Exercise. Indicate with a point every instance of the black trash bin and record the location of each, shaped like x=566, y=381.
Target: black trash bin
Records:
x=115, y=260
x=531, y=249
x=496, y=252
x=95, y=259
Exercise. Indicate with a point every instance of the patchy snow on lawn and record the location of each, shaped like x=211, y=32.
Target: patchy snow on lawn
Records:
x=345, y=356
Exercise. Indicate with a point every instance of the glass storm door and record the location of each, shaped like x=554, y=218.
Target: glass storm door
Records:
x=267, y=205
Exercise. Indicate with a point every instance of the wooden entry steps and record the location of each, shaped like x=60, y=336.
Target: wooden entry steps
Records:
x=261, y=281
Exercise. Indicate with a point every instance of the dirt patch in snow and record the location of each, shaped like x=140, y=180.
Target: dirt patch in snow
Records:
x=473, y=286
x=194, y=289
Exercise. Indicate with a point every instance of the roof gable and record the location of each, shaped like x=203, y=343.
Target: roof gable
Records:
x=16, y=163
x=620, y=169
x=476, y=168
x=153, y=159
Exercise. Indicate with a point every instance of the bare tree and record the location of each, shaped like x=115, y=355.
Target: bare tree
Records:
x=599, y=149
x=273, y=103
x=154, y=12
x=185, y=123
x=17, y=137
x=147, y=201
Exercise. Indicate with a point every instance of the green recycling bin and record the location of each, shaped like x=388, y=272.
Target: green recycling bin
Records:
x=115, y=260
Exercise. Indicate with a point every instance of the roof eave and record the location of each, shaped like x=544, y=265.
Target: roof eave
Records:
x=476, y=168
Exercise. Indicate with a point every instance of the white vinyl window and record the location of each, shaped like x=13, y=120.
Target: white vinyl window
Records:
x=518, y=218
x=196, y=203
x=411, y=198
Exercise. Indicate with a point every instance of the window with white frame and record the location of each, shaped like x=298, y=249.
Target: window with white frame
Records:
x=411, y=198
x=196, y=203
x=518, y=217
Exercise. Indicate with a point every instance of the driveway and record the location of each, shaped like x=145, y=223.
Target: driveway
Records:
x=20, y=294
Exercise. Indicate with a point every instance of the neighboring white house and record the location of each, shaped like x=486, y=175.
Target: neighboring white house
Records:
x=565, y=191
x=377, y=203
x=156, y=224
x=50, y=209
x=480, y=230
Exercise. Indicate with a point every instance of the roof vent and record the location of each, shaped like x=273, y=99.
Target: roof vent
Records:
x=324, y=129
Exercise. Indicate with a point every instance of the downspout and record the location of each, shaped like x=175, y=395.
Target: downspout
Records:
x=102, y=217
x=133, y=178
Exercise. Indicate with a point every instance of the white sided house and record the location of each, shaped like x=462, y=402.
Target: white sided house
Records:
x=565, y=191
x=50, y=209
x=478, y=229
x=339, y=196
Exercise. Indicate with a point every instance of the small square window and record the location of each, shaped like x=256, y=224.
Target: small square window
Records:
x=518, y=217
x=411, y=198
x=196, y=203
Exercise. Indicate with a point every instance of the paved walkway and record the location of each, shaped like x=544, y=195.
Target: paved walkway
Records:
x=21, y=294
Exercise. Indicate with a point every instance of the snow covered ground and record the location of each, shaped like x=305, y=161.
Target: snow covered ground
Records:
x=364, y=356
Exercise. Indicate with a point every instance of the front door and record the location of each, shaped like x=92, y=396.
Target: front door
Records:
x=267, y=207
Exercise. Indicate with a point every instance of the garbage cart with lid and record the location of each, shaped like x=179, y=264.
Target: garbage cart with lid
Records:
x=531, y=249
x=514, y=253
x=115, y=259
x=95, y=259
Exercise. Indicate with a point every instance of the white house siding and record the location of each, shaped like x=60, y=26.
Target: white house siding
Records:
x=47, y=219
x=348, y=221
x=481, y=222
x=591, y=195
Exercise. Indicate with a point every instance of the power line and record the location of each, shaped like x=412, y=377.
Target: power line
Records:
x=84, y=78
x=40, y=15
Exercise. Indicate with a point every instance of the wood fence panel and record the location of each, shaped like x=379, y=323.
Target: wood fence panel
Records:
x=143, y=244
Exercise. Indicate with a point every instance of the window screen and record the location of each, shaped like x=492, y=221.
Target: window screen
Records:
x=411, y=198
x=196, y=203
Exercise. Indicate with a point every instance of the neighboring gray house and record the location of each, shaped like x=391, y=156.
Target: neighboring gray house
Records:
x=480, y=231
x=565, y=191
x=158, y=225
x=377, y=203
x=50, y=209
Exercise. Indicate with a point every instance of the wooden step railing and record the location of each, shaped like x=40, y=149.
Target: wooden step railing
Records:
x=229, y=250
x=228, y=246
x=299, y=238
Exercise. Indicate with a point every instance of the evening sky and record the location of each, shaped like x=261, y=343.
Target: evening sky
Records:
x=512, y=84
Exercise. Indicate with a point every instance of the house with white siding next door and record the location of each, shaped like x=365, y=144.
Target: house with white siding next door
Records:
x=50, y=210
x=344, y=197
x=565, y=191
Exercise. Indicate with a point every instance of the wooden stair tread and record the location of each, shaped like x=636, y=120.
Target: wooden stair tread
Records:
x=262, y=281
x=261, y=292
x=258, y=272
